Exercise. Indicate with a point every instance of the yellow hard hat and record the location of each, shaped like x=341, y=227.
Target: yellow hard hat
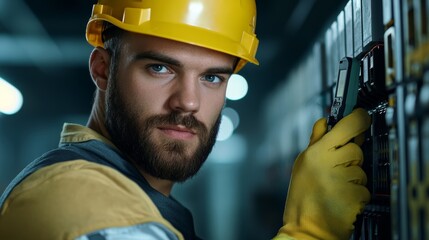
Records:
x=226, y=26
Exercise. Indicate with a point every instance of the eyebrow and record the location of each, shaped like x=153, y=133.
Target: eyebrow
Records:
x=166, y=59
x=157, y=57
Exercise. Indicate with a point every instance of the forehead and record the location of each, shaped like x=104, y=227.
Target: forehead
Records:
x=133, y=43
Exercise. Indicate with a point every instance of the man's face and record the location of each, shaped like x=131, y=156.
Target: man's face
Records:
x=163, y=103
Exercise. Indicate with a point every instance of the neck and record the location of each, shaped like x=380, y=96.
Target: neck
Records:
x=97, y=117
x=161, y=185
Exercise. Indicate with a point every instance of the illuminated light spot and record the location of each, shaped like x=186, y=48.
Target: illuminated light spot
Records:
x=226, y=129
x=11, y=99
x=232, y=115
x=237, y=87
x=195, y=9
x=232, y=150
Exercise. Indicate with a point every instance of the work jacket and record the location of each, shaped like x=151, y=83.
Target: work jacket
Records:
x=83, y=186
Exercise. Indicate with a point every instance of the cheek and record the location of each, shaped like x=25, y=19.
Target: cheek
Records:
x=144, y=89
x=140, y=100
x=145, y=102
x=211, y=109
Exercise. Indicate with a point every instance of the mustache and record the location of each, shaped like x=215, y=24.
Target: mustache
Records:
x=175, y=118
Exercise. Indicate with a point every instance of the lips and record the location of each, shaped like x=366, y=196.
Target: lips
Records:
x=177, y=131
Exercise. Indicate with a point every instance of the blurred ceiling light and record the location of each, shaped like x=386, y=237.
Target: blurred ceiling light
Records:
x=10, y=98
x=237, y=87
x=21, y=50
x=232, y=115
x=232, y=150
x=226, y=129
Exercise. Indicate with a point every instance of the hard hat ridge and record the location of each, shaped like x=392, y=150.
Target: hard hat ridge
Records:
x=223, y=25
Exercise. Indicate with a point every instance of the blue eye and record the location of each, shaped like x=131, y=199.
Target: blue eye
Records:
x=158, y=68
x=212, y=78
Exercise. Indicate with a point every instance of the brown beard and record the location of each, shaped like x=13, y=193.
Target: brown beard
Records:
x=169, y=160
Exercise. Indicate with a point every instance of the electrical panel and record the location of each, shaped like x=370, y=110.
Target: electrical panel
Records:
x=390, y=39
x=393, y=87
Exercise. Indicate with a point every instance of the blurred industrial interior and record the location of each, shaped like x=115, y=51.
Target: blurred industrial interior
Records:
x=240, y=192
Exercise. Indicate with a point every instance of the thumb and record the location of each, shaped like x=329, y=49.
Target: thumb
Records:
x=319, y=129
x=348, y=128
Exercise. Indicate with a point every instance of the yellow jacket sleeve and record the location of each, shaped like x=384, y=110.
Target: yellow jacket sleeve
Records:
x=69, y=199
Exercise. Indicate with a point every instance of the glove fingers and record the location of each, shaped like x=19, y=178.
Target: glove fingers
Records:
x=349, y=127
x=359, y=139
x=350, y=188
x=359, y=197
x=354, y=199
x=347, y=155
x=319, y=130
x=352, y=174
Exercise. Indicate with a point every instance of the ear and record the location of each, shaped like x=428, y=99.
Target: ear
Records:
x=99, y=63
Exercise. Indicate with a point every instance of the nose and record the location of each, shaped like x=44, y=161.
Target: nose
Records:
x=185, y=95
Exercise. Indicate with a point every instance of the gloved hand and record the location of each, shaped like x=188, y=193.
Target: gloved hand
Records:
x=327, y=190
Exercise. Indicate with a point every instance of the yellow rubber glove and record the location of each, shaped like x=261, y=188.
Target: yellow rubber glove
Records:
x=327, y=189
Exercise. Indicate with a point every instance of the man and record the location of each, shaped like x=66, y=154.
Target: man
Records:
x=161, y=68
